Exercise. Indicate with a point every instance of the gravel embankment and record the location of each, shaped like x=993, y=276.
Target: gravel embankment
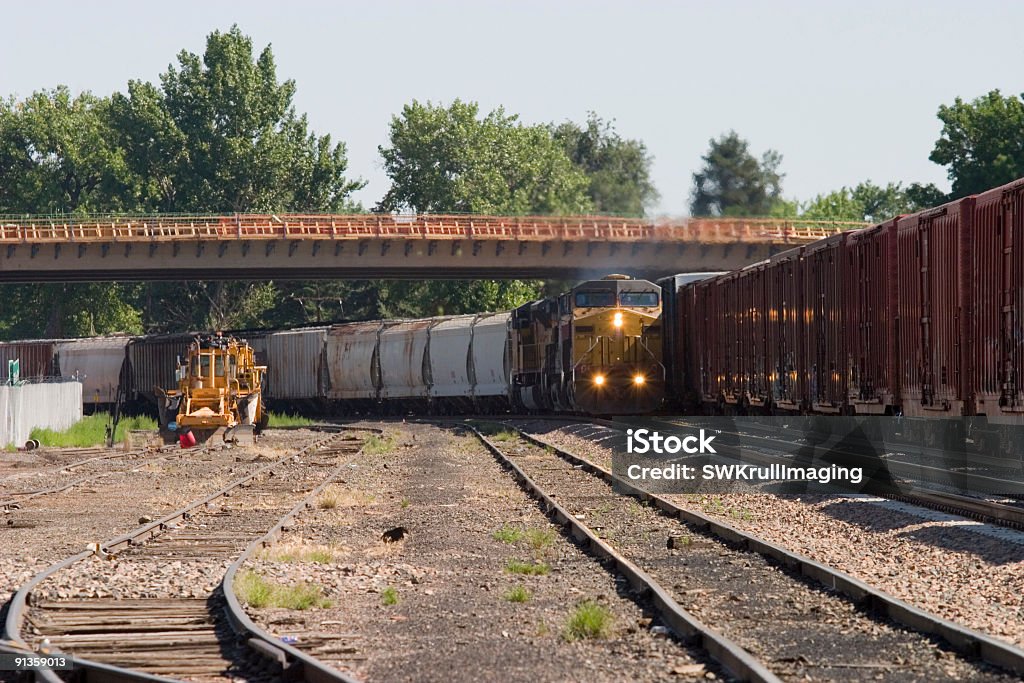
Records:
x=448, y=579
x=50, y=528
x=959, y=569
x=799, y=630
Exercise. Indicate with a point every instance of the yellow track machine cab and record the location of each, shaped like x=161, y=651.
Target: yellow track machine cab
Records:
x=219, y=392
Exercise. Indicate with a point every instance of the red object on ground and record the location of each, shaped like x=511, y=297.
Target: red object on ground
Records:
x=187, y=440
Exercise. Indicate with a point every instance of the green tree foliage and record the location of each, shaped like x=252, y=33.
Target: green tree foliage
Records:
x=981, y=142
x=222, y=135
x=68, y=310
x=871, y=203
x=619, y=170
x=733, y=182
x=56, y=155
x=452, y=160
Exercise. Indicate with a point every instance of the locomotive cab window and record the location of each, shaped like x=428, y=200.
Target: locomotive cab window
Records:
x=594, y=299
x=638, y=299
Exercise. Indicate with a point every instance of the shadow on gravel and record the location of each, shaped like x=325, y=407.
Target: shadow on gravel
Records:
x=992, y=550
x=867, y=516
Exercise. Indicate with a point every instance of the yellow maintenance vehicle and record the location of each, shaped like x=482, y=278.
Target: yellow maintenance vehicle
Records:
x=219, y=393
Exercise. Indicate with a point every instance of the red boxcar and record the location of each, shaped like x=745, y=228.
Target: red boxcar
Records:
x=995, y=366
x=753, y=382
x=706, y=338
x=36, y=358
x=825, y=360
x=933, y=270
x=784, y=329
x=872, y=302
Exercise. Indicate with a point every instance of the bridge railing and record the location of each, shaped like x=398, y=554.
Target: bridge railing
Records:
x=435, y=227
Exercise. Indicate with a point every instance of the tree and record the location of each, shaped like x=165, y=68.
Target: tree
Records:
x=871, y=203
x=619, y=170
x=57, y=155
x=733, y=182
x=981, y=142
x=222, y=135
x=449, y=159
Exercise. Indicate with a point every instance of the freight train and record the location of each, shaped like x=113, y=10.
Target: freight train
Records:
x=919, y=316
x=595, y=349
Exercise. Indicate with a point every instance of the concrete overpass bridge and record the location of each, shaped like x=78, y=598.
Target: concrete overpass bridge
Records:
x=289, y=246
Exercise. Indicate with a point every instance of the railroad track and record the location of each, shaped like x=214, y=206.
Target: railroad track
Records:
x=790, y=616
x=15, y=499
x=150, y=636
x=974, y=507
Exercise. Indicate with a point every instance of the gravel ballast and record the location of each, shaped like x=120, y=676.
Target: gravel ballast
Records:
x=794, y=625
x=437, y=604
x=959, y=569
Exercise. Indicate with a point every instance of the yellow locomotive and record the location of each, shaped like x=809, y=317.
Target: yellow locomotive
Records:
x=219, y=392
x=595, y=349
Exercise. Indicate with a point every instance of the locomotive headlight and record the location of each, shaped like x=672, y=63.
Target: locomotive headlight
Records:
x=617, y=321
x=598, y=380
x=639, y=379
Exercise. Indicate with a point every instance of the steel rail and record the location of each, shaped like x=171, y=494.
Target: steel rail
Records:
x=975, y=508
x=962, y=639
x=730, y=655
x=292, y=660
x=13, y=503
x=96, y=671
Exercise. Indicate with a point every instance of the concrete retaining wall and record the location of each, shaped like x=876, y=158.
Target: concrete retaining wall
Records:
x=22, y=408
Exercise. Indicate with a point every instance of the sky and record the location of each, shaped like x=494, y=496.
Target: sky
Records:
x=845, y=91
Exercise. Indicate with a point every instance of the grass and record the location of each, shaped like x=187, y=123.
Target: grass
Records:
x=527, y=568
x=287, y=420
x=376, y=445
x=518, y=594
x=389, y=597
x=253, y=589
x=589, y=620
x=328, y=500
x=91, y=430
x=508, y=534
x=504, y=435
x=257, y=592
x=299, y=553
x=540, y=539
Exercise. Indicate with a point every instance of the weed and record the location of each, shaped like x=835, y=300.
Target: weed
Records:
x=91, y=430
x=527, y=568
x=588, y=620
x=298, y=553
x=539, y=539
x=543, y=629
x=507, y=534
x=503, y=435
x=518, y=594
x=378, y=444
x=405, y=503
x=300, y=596
x=256, y=591
x=286, y=420
x=744, y=514
x=327, y=501
x=253, y=589
x=389, y=597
